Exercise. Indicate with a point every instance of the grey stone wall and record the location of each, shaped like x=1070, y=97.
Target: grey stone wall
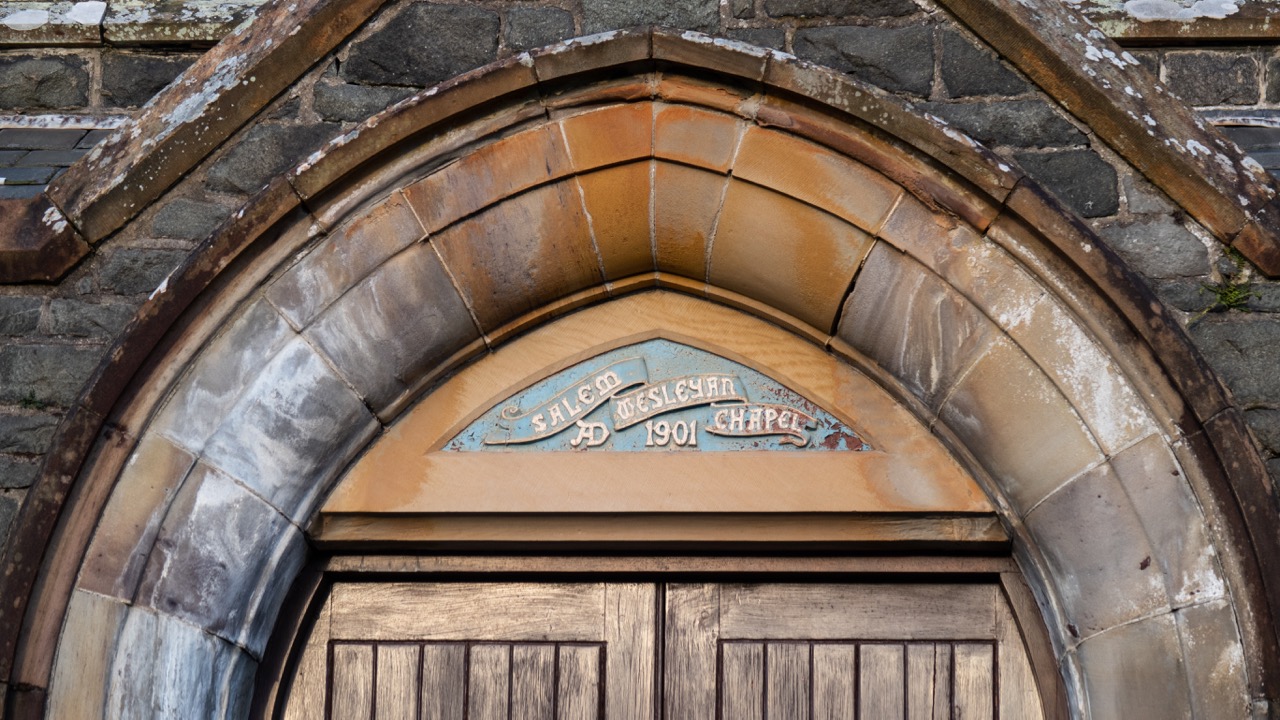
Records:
x=52, y=336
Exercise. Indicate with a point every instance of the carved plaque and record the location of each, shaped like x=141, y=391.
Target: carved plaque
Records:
x=657, y=395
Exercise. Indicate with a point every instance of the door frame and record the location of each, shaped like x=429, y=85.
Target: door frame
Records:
x=310, y=591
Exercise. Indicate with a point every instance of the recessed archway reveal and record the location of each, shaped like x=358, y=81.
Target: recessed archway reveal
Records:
x=647, y=162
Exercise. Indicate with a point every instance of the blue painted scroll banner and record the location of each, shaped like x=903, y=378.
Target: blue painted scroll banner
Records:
x=674, y=394
x=565, y=409
x=758, y=419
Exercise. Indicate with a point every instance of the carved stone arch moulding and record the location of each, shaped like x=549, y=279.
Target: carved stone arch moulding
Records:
x=461, y=219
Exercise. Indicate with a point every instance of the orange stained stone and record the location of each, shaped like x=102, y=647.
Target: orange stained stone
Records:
x=785, y=253
x=609, y=135
x=488, y=175
x=521, y=254
x=685, y=204
x=816, y=175
x=696, y=137
x=618, y=200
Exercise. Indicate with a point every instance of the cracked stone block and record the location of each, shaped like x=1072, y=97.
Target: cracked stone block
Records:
x=19, y=314
x=407, y=308
x=1265, y=423
x=896, y=59
x=218, y=549
x=1080, y=178
x=1119, y=687
x=601, y=15
x=1098, y=554
x=839, y=8
x=18, y=472
x=42, y=374
x=229, y=362
x=186, y=219
x=345, y=102
x=43, y=82
x=131, y=79
x=81, y=318
x=1159, y=248
x=1214, y=657
x=461, y=38
x=1213, y=77
x=133, y=271
x=292, y=430
x=265, y=152
x=528, y=28
x=911, y=323
x=1012, y=415
x=1245, y=351
x=26, y=433
x=970, y=70
x=1020, y=123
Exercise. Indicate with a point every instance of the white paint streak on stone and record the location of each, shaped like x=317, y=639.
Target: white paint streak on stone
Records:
x=52, y=217
x=1153, y=10
x=87, y=13
x=164, y=287
x=26, y=20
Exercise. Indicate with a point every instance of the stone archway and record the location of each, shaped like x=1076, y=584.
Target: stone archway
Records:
x=1003, y=322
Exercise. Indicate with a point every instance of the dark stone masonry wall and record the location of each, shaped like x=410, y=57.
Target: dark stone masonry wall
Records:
x=52, y=336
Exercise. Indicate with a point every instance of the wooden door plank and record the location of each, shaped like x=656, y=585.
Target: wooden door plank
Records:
x=922, y=679
x=881, y=692
x=869, y=611
x=787, y=681
x=834, y=677
x=692, y=631
x=351, y=695
x=533, y=682
x=397, y=686
x=578, y=693
x=1019, y=694
x=444, y=681
x=944, y=681
x=742, y=681
x=631, y=629
x=308, y=693
x=974, y=688
x=488, y=678
x=468, y=611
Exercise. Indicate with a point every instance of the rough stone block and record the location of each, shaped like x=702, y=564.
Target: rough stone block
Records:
x=1097, y=551
x=265, y=152
x=9, y=158
x=292, y=430
x=1185, y=295
x=410, y=311
x=45, y=373
x=345, y=102
x=1213, y=77
x=219, y=543
x=19, y=314
x=39, y=138
x=16, y=473
x=194, y=664
x=10, y=501
x=424, y=45
x=1119, y=687
x=26, y=433
x=602, y=15
x=131, y=79
x=43, y=82
x=1273, y=79
x=1173, y=521
x=1144, y=198
x=1011, y=414
x=914, y=325
x=202, y=399
x=1265, y=423
x=1159, y=248
x=760, y=37
x=81, y=318
x=839, y=8
x=1214, y=660
x=1245, y=351
x=522, y=254
x=133, y=271
x=528, y=28
x=777, y=250
x=742, y=9
x=187, y=219
x=1080, y=178
x=969, y=70
x=897, y=59
x=1020, y=123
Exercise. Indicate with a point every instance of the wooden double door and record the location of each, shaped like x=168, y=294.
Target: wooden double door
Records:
x=479, y=650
